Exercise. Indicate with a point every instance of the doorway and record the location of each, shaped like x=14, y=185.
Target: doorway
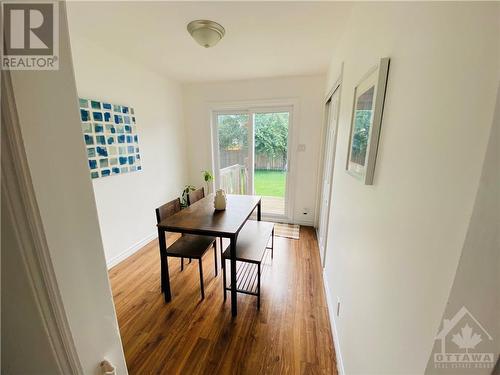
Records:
x=251, y=155
x=331, y=111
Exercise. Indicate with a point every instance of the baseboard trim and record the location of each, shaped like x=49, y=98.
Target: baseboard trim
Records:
x=307, y=223
x=284, y=220
x=131, y=250
x=331, y=313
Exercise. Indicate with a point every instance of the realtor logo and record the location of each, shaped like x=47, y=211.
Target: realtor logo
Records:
x=464, y=343
x=30, y=36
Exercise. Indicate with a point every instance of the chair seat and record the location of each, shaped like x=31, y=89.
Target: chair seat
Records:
x=190, y=246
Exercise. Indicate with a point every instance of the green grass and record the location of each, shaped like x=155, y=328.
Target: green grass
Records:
x=270, y=183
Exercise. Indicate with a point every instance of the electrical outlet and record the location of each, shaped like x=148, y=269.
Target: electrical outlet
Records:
x=338, y=306
x=301, y=148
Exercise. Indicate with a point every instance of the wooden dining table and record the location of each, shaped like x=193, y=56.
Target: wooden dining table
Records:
x=202, y=218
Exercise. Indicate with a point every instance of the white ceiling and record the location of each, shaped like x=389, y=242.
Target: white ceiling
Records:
x=263, y=39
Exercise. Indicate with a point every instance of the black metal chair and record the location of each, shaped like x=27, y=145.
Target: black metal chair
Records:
x=188, y=245
x=193, y=197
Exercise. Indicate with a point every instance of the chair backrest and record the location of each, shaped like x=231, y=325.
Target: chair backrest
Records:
x=195, y=196
x=168, y=209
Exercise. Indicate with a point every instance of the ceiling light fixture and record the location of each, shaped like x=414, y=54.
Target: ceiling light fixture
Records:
x=206, y=33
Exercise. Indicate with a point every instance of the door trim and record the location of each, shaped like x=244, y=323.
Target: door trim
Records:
x=260, y=106
x=336, y=87
x=21, y=205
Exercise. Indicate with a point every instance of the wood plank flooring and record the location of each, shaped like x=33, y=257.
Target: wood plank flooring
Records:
x=289, y=335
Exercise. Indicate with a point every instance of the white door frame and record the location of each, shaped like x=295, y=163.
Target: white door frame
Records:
x=22, y=208
x=290, y=105
x=331, y=112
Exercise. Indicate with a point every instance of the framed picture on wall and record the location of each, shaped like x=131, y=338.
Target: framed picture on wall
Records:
x=366, y=120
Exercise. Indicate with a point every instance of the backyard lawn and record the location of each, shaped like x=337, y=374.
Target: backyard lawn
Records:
x=270, y=183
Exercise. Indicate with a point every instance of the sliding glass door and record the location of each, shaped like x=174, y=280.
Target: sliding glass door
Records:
x=251, y=155
x=271, y=160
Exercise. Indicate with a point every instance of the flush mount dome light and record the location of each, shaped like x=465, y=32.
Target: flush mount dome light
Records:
x=206, y=33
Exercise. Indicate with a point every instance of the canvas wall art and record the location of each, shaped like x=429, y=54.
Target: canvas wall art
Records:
x=369, y=96
x=110, y=135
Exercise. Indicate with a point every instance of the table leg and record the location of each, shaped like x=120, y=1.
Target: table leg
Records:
x=234, y=307
x=272, y=244
x=259, y=211
x=165, y=278
x=221, y=253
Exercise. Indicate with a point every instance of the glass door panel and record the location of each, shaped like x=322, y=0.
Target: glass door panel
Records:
x=271, y=160
x=234, y=137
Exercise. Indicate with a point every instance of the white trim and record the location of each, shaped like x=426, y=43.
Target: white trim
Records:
x=319, y=182
x=260, y=104
x=283, y=220
x=131, y=250
x=327, y=123
x=21, y=204
x=331, y=313
x=306, y=223
x=316, y=230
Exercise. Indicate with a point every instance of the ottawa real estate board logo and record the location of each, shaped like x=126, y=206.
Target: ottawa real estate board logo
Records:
x=463, y=343
x=30, y=35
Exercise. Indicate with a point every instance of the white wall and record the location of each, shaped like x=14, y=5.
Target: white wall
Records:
x=394, y=247
x=477, y=279
x=48, y=114
x=307, y=91
x=126, y=203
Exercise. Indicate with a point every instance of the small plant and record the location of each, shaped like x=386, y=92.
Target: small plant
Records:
x=208, y=177
x=185, y=192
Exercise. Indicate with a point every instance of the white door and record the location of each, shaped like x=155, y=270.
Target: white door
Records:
x=328, y=163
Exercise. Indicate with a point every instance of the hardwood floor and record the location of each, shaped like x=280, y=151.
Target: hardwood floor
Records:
x=273, y=205
x=289, y=335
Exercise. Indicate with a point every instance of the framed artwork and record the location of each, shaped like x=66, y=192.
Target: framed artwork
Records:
x=366, y=120
x=110, y=136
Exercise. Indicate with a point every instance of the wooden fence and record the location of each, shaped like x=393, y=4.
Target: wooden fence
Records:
x=262, y=161
x=265, y=162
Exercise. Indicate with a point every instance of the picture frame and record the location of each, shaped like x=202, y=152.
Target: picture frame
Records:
x=366, y=121
x=111, y=138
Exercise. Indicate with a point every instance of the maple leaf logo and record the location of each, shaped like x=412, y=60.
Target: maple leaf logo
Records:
x=466, y=340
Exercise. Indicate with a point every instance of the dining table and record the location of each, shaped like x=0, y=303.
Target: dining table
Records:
x=201, y=218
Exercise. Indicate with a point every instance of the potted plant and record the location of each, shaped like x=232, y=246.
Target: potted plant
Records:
x=208, y=177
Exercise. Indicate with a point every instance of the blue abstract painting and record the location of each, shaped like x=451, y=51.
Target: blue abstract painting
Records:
x=110, y=135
